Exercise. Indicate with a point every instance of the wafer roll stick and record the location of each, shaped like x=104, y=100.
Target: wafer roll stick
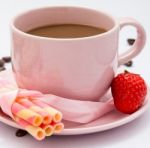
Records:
x=58, y=127
x=47, y=118
x=49, y=129
x=37, y=132
x=56, y=115
x=28, y=115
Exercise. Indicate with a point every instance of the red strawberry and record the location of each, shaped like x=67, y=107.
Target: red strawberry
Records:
x=129, y=91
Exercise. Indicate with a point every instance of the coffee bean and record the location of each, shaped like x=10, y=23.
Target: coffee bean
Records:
x=2, y=63
x=2, y=69
x=21, y=133
x=6, y=59
x=130, y=41
x=129, y=64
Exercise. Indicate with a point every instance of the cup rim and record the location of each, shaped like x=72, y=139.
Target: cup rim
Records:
x=13, y=27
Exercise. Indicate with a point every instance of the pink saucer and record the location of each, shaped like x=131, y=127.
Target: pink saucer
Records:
x=111, y=120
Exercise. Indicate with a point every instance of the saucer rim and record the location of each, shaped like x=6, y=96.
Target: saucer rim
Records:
x=92, y=129
x=79, y=130
x=120, y=122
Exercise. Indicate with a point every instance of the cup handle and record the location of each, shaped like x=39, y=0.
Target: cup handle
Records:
x=138, y=44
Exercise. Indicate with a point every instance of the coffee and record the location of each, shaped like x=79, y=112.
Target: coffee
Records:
x=66, y=31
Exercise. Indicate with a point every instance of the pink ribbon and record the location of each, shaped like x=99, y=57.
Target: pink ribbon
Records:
x=72, y=110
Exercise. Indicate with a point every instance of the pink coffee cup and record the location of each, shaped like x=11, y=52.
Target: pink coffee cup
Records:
x=75, y=68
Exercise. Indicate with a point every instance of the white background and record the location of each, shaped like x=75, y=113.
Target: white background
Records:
x=135, y=134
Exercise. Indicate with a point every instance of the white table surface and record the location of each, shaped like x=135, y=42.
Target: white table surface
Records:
x=135, y=134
